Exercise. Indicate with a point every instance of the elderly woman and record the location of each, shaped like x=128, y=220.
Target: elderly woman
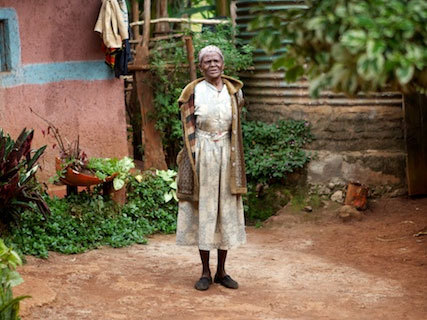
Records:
x=211, y=172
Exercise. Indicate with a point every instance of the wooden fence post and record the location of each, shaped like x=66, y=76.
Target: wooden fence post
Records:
x=190, y=56
x=154, y=156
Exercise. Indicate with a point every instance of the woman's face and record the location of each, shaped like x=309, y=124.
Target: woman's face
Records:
x=212, y=65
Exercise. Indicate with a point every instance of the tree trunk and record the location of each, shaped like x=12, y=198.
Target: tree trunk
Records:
x=154, y=156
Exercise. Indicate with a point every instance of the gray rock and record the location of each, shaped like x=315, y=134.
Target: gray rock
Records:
x=337, y=196
x=347, y=213
x=398, y=193
x=308, y=209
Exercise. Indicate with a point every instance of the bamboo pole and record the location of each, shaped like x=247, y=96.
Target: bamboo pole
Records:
x=186, y=20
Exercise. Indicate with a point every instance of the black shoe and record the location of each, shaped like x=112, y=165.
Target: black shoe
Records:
x=203, y=283
x=226, y=282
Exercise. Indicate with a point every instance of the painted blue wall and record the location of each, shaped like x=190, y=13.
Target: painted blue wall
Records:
x=42, y=73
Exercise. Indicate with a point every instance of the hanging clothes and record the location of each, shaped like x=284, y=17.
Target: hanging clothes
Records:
x=113, y=25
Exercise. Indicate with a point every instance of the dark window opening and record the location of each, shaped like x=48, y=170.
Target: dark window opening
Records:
x=5, y=63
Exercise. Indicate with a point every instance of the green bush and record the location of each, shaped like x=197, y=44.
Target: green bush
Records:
x=86, y=221
x=274, y=150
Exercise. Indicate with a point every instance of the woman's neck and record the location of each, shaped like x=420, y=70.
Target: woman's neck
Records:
x=216, y=82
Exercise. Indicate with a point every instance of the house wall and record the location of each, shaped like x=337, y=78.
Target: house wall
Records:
x=58, y=70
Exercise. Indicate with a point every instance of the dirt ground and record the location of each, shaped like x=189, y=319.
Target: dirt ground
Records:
x=298, y=266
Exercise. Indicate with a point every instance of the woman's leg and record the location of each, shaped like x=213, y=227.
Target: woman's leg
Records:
x=221, y=276
x=204, y=256
x=205, y=280
x=222, y=256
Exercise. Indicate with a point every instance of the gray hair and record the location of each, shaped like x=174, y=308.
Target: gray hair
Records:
x=209, y=49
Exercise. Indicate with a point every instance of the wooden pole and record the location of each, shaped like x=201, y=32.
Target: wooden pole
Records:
x=135, y=18
x=162, y=12
x=190, y=56
x=147, y=19
x=154, y=156
x=222, y=8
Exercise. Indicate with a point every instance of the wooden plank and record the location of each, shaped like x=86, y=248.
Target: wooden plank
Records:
x=415, y=110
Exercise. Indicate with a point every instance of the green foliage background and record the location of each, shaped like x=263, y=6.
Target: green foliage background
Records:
x=350, y=45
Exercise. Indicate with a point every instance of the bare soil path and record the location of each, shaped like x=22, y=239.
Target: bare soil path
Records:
x=298, y=266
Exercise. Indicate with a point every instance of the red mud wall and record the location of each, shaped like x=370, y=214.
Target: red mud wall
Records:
x=61, y=75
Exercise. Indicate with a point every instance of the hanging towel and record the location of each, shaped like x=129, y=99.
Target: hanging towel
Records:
x=113, y=23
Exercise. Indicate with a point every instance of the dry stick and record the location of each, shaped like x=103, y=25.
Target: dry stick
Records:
x=55, y=130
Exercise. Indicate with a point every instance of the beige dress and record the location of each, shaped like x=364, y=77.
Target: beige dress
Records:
x=217, y=220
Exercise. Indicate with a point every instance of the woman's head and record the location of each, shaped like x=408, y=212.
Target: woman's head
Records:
x=211, y=62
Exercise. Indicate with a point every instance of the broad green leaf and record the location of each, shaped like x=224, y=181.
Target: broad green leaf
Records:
x=294, y=73
x=374, y=47
x=284, y=62
x=354, y=40
x=168, y=196
x=118, y=183
x=405, y=73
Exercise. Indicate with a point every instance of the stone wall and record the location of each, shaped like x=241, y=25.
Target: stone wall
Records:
x=356, y=139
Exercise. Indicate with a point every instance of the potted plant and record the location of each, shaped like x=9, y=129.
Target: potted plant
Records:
x=74, y=168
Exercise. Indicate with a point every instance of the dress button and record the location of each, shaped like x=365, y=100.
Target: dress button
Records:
x=234, y=164
x=234, y=117
x=234, y=131
x=232, y=148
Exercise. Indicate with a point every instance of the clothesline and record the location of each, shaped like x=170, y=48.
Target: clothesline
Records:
x=186, y=20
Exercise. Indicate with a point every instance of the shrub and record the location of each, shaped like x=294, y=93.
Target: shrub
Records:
x=18, y=186
x=274, y=150
x=88, y=220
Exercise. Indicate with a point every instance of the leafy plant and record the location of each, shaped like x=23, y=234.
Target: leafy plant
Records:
x=104, y=167
x=18, y=166
x=274, y=150
x=87, y=220
x=9, y=260
x=349, y=45
x=168, y=177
